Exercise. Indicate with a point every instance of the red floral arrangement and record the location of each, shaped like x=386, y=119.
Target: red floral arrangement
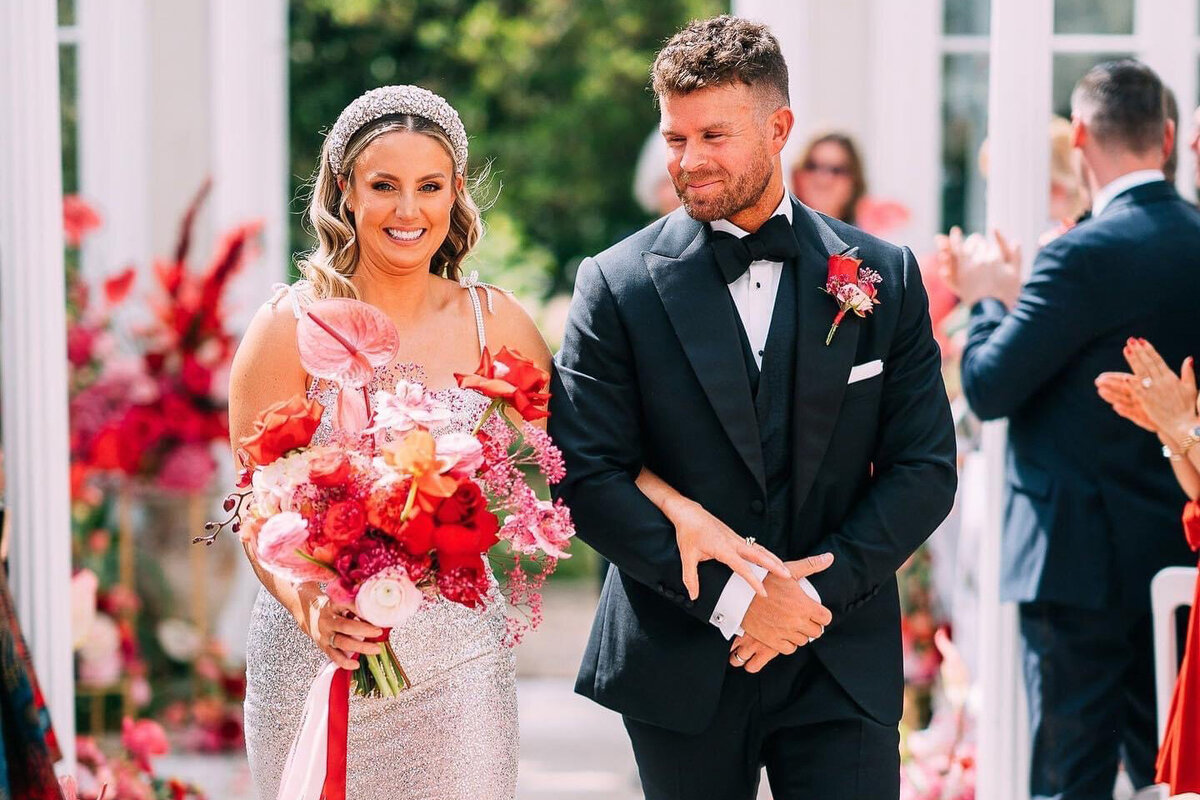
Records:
x=153, y=418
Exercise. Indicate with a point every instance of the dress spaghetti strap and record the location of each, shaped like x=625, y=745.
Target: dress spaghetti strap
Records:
x=473, y=285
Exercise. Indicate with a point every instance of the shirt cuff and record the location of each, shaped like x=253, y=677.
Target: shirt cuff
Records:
x=733, y=603
x=810, y=590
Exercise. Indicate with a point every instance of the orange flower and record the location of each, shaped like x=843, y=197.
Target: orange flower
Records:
x=416, y=455
x=512, y=378
x=283, y=426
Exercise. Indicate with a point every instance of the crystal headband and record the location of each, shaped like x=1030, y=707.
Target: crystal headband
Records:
x=388, y=100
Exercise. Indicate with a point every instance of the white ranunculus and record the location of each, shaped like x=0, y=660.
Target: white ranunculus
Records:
x=388, y=598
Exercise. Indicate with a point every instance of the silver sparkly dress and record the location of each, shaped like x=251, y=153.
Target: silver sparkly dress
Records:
x=453, y=734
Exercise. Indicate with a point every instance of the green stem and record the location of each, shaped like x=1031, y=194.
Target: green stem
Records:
x=316, y=561
x=491, y=409
x=389, y=669
x=381, y=681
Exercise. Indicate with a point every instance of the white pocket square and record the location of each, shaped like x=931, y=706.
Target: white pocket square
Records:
x=863, y=371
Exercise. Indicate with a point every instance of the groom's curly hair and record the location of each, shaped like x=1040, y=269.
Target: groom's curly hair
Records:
x=717, y=51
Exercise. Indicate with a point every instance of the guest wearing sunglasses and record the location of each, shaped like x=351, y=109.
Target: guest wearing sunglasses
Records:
x=828, y=177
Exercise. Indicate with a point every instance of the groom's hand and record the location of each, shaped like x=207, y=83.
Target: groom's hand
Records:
x=750, y=654
x=787, y=618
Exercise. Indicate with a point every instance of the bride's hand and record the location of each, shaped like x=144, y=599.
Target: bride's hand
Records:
x=336, y=633
x=701, y=537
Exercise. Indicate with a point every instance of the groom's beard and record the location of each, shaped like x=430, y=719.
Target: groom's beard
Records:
x=740, y=191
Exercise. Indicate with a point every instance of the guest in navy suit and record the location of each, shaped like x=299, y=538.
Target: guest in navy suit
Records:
x=1092, y=508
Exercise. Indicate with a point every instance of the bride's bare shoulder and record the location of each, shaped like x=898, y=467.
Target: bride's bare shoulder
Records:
x=267, y=353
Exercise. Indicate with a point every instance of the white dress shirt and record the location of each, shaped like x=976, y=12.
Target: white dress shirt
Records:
x=754, y=296
x=1123, y=184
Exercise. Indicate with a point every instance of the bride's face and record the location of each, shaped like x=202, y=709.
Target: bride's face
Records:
x=401, y=196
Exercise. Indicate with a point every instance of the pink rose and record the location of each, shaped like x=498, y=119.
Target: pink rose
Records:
x=388, y=598
x=461, y=453
x=143, y=739
x=280, y=541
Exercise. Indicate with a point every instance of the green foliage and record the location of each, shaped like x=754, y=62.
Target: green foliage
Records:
x=552, y=92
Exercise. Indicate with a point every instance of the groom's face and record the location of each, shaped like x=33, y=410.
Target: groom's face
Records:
x=721, y=153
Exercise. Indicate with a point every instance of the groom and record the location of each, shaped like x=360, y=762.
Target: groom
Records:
x=696, y=349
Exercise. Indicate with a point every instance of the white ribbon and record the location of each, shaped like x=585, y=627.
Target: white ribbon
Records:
x=304, y=774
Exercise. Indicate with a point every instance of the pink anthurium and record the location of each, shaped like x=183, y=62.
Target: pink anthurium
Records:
x=345, y=341
x=351, y=412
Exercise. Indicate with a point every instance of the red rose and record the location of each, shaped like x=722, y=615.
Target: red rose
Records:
x=463, y=506
x=283, y=426
x=344, y=522
x=417, y=534
x=512, y=378
x=329, y=469
x=844, y=268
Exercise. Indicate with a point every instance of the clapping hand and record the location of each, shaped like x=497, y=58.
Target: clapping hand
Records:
x=975, y=268
x=1169, y=401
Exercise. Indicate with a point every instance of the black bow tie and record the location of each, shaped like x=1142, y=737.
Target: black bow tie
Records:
x=774, y=241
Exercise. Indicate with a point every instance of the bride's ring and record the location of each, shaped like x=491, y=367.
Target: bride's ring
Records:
x=1147, y=383
x=332, y=636
x=738, y=658
x=750, y=540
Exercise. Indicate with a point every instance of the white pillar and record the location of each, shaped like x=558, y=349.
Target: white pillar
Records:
x=114, y=140
x=248, y=44
x=904, y=133
x=791, y=22
x=1166, y=33
x=33, y=342
x=1019, y=106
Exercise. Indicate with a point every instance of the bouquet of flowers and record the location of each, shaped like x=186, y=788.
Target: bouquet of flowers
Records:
x=386, y=513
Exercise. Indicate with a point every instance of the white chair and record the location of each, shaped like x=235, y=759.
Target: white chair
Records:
x=1171, y=588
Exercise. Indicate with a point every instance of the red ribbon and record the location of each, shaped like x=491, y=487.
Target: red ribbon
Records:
x=339, y=725
x=335, y=751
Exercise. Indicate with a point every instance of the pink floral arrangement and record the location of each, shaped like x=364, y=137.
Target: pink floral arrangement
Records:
x=130, y=776
x=388, y=514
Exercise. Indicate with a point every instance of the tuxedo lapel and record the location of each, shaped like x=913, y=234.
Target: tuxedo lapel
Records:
x=698, y=304
x=821, y=371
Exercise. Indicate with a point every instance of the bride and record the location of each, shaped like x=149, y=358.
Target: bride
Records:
x=394, y=221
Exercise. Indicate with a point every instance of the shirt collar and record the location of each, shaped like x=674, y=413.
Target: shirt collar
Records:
x=785, y=208
x=1123, y=184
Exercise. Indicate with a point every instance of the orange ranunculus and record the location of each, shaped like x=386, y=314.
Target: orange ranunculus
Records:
x=512, y=378
x=416, y=455
x=283, y=426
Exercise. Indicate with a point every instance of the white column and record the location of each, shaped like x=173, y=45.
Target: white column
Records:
x=1019, y=106
x=248, y=43
x=903, y=137
x=1166, y=33
x=33, y=347
x=791, y=22
x=114, y=145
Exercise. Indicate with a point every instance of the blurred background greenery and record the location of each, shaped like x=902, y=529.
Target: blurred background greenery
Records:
x=554, y=93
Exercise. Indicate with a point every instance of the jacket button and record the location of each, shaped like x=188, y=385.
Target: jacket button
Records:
x=756, y=506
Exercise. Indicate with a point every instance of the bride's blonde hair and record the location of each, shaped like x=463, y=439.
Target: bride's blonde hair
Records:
x=330, y=265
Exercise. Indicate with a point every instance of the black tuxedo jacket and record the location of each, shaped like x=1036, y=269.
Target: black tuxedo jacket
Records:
x=1092, y=506
x=651, y=373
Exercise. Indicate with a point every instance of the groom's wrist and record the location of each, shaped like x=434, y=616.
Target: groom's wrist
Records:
x=733, y=603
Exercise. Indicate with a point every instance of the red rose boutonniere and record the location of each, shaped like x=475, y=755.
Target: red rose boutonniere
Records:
x=853, y=286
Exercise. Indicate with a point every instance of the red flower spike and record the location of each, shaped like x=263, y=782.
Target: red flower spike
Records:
x=117, y=287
